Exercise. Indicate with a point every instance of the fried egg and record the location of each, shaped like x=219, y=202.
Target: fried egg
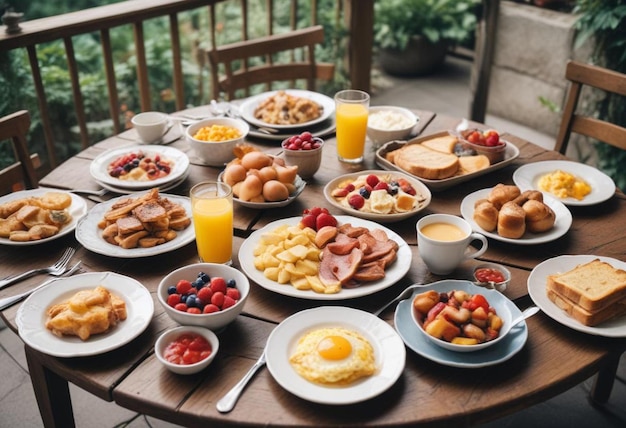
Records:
x=335, y=356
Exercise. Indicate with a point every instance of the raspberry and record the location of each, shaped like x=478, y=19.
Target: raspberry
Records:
x=181, y=307
x=218, y=284
x=210, y=308
x=381, y=186
x=372, y=180
x=325, y=220
x=350, y=187
x=308, y=221
x=194, y=311
x=356, y=201
x=218, y=299
x=228, y=302
x=183, y=286
x=173, y=300
x=233, y=293
x=205, y=295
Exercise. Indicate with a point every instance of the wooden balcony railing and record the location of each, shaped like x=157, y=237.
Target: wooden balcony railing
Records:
x=354, y=15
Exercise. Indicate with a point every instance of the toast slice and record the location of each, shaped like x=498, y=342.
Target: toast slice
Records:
x=592, y=286
x=426, y=163
x=443, y=144
x=582, y=315
x=469, y=164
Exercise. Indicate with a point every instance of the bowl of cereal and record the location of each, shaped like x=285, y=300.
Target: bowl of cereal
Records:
x=214, y=139
x=388, y=123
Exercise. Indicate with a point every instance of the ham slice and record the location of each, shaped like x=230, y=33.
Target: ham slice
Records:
x=339, y=267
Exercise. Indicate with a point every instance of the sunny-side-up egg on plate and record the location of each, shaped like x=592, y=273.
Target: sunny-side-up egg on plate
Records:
x=333, y=355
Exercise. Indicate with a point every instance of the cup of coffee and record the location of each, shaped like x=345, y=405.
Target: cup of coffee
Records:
x=443, y=241
x=150, y=125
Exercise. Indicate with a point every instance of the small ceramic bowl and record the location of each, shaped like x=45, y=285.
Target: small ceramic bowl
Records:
x=307, y=161
x=388, y=123
x=216, y=153
x=213, y=321
x=498, y=285
x=174, y=334
x=495, y=154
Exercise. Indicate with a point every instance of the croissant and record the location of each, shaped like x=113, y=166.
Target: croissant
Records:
x=539, y=216
x=511, y=221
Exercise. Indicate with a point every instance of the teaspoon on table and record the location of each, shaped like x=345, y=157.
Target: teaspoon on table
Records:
x=228, y=401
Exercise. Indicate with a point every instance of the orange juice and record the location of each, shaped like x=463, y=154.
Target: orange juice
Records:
x=213, y=223
x=351, y=127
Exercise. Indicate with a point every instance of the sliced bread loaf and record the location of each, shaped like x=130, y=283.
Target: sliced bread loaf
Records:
x=426, y=163
x=582, y=315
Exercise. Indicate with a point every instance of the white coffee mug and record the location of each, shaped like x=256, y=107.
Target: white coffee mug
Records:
x=443, y=241
x=150, y=125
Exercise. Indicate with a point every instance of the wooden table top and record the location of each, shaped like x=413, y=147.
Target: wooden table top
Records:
x=554, y=358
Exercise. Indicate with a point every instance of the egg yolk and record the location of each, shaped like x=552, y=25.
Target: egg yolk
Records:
x=334, y=348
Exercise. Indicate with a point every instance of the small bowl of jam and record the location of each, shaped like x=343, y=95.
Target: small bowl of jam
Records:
x=492, y=275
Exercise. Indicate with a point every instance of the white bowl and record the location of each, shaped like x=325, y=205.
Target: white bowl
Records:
x=213, y=321
x=389, y=126
x=216, y=153
x=307, y=161
x=172, y=334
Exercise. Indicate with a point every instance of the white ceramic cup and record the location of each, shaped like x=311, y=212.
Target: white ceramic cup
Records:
x=150, y=125
x=443, y=256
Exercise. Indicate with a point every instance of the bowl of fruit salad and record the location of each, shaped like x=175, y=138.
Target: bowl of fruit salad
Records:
x=186, y=349
x=204, y=294
x=305, y=151
x=381, y=196
x=486, y=143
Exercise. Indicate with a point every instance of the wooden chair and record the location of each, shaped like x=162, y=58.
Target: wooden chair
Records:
x=21, y=174
x=240, y=75
x=579, y=75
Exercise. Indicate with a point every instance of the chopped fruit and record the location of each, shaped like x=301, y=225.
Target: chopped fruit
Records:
x=372, y=180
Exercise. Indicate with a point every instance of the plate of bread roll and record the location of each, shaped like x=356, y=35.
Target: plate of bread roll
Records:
x=506, y=213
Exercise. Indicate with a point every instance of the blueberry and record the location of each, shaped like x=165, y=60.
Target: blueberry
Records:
x=392, y=190
x=204, y=277
x=364, y=192
x=183, y=298
x=128, y=167
x=198, y=284
x=171, y=289
x=231, y=283
x=192, y=301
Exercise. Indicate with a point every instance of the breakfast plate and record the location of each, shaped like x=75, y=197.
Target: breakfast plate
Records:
x=31, y=316
x=393, y=274
x=99, y=166
x=162, y=188
x=89, y=234
x=421, y=345
x=602, y=186
x=298, y=182
x=389, y=354
x=319, y=130
x=423, y=195
x=561, y=225
x=78, y=210
x=248, y=106
x=537, y=291
x=511, y=153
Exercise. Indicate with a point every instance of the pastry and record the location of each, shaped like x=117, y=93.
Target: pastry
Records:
x=486, y=215
x=539, y=216
x=503, y=193
x=511, y=221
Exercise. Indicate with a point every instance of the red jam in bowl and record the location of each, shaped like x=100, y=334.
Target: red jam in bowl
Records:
x=188, y=348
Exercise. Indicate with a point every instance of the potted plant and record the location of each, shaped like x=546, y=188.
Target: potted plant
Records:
x=413, y=36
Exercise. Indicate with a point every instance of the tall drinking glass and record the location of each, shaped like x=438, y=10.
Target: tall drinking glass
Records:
x=351, y=110
x=212, y=210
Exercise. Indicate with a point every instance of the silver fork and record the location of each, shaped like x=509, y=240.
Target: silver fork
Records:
x=9, y=301
x=406, y=293
x=56, y=269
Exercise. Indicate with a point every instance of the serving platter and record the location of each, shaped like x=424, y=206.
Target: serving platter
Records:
x=421, y=345
x=537, y=291
x=561, y=225
x=78, y=210
x=319, y=130
x=511, y=153
x=420, y=188
x=248, y=107
x=393, y=273
x=527, y=177
x=99, y=167
x=389, y=352
x=89, y=234
x=32, y=314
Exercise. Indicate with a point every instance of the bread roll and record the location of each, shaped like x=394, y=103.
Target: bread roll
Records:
x=511, y=221
x=486, y=215
x=539, y=216
x=528, y=195
x=503, y=193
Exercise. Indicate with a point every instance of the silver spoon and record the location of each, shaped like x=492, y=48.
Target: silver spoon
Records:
x=527, y=313
x=228, y=401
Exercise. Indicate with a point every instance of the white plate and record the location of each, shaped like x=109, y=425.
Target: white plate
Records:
x=389, y=352
x=162, y=188
x=537, y=290
x=380, y=218
x=561, y=225
x=299, y=183
x=393, y=274
x=100, y=164
x=31, y=316
x=247, y=108
x=602, y=186
x=89, y=234
x=78, y=209
x=511, y=153
x=319, y=130
x=414, y=339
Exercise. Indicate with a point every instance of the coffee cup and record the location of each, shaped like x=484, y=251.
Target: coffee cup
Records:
x=443, y=241
x=150, y=125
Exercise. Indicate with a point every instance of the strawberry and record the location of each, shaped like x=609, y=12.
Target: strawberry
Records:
x=233, y=293
x=356, y=201
x=308, y=221
x=228, y=302
x=218, y=284
x=183, y=286
x=205, y=295
x=372, y=180
x=325, y=220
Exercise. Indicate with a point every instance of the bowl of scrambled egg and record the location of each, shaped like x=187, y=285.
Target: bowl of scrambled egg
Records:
x=214, y=139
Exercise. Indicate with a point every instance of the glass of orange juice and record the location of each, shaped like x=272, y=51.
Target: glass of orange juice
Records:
x=351, y=110
x=212, y=211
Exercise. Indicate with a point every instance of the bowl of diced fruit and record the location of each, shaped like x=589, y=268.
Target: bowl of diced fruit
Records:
x=305, y=151
x=487, y=142
x=204, y=294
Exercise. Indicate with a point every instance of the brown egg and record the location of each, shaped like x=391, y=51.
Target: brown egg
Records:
x=250, y=188
x=274, y=191
x=234, y=174
x=256, y=160
x=286, y=174
x=267, y=173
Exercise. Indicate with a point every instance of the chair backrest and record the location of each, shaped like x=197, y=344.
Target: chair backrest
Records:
x=581, y=75
x=21, y=174
x=238, y=73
